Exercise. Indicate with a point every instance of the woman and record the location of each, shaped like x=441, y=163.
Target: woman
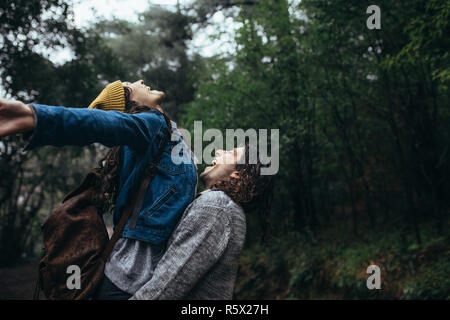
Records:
x=133, y=127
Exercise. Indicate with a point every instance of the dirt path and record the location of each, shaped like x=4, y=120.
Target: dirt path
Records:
x=17, y=282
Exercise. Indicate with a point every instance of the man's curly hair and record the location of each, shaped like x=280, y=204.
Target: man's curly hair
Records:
x=253, y=191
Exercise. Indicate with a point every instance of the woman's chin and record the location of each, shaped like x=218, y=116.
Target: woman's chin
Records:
x=160, y=100
x=161, y=94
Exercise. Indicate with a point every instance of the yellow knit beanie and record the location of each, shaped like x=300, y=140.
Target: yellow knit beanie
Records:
x=111, y=98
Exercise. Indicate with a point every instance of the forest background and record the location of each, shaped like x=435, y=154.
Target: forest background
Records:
x=363, y=116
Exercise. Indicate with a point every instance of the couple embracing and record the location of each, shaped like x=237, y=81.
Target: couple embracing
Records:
x=180, y=244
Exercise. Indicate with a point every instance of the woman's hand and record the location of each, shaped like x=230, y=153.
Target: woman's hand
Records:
x=15, y=117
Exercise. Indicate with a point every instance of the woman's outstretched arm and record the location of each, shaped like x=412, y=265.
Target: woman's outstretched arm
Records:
x=15, y=117
x=59, y=126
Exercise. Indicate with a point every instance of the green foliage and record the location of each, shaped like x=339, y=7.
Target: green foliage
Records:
x=431, y=283
x=428, y=42
x=292, y=268
x=358, y=114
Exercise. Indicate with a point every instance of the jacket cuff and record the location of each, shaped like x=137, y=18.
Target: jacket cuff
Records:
x=29, y=137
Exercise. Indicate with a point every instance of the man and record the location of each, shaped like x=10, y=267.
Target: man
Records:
x=202, y=254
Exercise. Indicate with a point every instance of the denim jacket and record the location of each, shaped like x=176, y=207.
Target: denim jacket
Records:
x=139, y=136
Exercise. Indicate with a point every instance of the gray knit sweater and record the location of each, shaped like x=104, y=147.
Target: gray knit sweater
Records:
x=202, y=254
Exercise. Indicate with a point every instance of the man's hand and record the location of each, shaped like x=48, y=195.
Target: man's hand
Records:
x=15, y=117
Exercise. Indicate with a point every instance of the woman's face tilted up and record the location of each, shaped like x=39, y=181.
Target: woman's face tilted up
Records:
x=143, y=95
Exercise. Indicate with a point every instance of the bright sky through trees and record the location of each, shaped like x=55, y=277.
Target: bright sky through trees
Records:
x=87, y=11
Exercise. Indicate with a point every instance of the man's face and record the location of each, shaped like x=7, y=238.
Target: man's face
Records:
x=223, y=166
x=143, y=95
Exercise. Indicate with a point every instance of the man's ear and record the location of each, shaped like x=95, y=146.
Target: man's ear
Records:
x=235, y=174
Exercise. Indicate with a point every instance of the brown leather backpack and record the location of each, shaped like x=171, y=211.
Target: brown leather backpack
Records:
x=75, y=235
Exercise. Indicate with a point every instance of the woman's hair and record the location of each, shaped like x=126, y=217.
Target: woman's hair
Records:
x=253, y=191
x=109, y=164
